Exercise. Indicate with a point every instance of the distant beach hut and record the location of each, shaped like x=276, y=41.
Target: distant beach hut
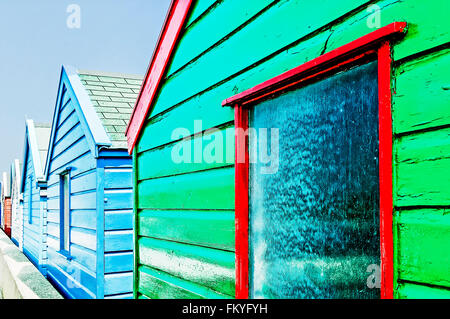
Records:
x=6, y=203
x=34, y=193
x=16, y=204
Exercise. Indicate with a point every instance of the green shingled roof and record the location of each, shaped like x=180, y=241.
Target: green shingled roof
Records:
x=113, y=97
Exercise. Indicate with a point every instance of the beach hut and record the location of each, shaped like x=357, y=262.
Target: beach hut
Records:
x=339, y=185
x=89, y=186
x=6, y=203
x=34, y=193
x=16, y=204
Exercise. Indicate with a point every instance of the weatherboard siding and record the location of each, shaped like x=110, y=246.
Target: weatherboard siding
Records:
x=77, y=276
x=86, y=142
x=16, y=207
x=7, y=207
x=118, y=227
x=227, y=47
x=34, y=230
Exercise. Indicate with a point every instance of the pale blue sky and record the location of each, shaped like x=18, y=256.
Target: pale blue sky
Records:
x=115, y=36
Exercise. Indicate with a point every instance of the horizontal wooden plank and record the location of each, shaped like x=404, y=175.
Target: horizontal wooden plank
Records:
x=194, y=227
x=118, y=178
x=66, y=127
x=84, y=257
x=159, y=285
x=53, y=203
x=80, y=218
x=213, y=189
x=118, y=199
x=423, y=163
x=417, y=291
x=84, y=182
x=118, y=262
x=205, y=266
x=52, y=243
x=66, y=108
x=422, y=93
x=65, y=99
x=83, y=237
x=201, y=36
x=75, y=134
x=214, y=149
x=53, y=230
x=198, y=8
x=84, y=200
x=118, y=283
x=78, y=149
x=118, y=240
x=422, y=246
x=120, y=219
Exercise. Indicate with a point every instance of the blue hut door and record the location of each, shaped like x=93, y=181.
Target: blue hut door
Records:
x=314, y=192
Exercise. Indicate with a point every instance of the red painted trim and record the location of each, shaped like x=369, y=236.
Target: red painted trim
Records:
x=375, y=44
x=385, y=160
x=362, y=44
x=241, y=201
x=173, y=25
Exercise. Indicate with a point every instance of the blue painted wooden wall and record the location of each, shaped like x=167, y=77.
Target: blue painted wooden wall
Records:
x=116, y=183
x=34, y=240
x=34, y=194
x=99, y=263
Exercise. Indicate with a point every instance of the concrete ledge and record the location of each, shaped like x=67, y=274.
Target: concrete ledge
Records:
x=19, y=278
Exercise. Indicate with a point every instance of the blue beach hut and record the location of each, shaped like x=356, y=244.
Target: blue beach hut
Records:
x=89, y=185
x=33, y=190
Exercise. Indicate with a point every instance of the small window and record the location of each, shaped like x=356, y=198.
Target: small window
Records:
x=30, y=202
x=65, y=212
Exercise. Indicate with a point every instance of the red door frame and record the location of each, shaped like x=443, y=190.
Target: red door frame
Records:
x=373, y=46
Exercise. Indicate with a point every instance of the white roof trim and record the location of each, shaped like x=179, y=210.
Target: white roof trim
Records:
x=34, y=150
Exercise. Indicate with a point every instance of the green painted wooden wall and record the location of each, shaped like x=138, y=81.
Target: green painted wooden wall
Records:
x=185, y=213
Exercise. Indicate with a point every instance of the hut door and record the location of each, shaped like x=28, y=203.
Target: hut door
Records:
x=314, y=226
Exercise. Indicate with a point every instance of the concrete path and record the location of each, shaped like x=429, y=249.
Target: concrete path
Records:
x=19, y=278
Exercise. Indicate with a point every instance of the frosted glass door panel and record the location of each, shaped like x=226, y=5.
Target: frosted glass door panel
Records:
x=314, y=224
